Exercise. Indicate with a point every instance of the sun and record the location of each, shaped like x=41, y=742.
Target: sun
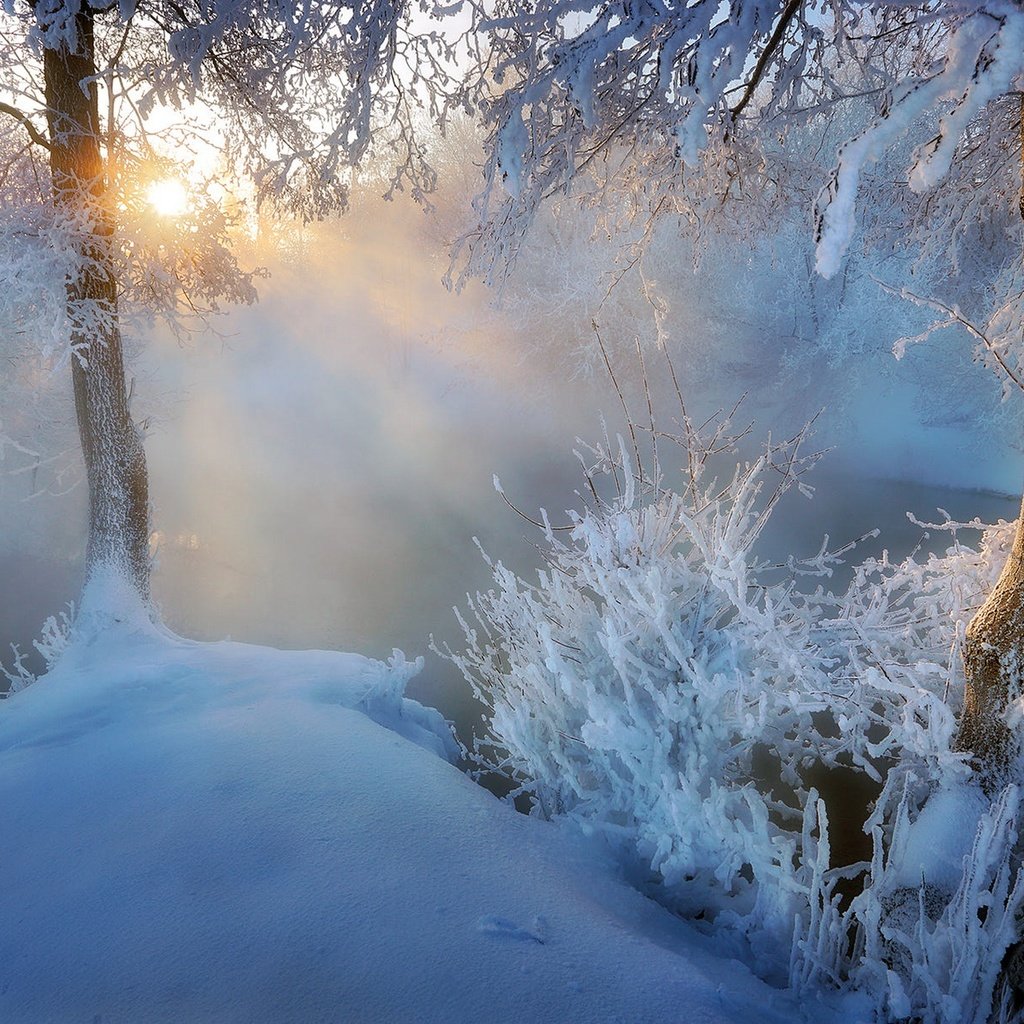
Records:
x=168, y=197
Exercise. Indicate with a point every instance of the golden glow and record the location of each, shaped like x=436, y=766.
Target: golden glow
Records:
x=168, y=197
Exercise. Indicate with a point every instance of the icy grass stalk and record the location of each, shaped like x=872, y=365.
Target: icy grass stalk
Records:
x=931, y=949
x=53, y=639
x=662, y=687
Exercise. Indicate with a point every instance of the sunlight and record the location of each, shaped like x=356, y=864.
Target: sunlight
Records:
x=168, y=197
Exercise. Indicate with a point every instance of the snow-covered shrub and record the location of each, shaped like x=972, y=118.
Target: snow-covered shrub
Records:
x=656, y=660
x=662, y=686
x=53, y=639
x=942, y=899
x=19, y=675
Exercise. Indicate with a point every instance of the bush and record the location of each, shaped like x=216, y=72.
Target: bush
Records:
x=53, y=639
x=662, y=687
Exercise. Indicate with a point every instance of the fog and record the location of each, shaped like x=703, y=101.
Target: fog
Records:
x=321, y=465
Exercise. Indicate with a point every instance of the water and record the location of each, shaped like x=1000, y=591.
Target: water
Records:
x=298, y=586
x=310, y=592
x=319, y=474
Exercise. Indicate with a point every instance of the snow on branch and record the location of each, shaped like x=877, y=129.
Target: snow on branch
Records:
x=560, y=86
x=980, y=57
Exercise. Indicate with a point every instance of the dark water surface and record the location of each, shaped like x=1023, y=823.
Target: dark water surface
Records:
x=374, y=601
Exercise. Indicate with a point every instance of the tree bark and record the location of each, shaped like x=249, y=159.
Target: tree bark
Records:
x=115, y=460
x=993, y=670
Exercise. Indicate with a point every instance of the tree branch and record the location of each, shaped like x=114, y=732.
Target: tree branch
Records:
x=955, y=316
x=792, y=6
x=33, y=132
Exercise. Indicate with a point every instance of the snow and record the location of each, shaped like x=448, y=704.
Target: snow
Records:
x=941, y=836
x=223, y=832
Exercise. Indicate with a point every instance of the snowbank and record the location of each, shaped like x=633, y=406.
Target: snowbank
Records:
x=218, y=832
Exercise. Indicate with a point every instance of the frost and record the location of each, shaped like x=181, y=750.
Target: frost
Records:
x=53, y=639
x=661, y=687
x=512, y=143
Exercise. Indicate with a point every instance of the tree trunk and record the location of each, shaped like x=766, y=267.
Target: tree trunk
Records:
x=993, y=670
x=115, y=461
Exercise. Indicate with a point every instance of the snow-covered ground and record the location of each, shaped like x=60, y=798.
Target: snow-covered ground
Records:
x=218, y=832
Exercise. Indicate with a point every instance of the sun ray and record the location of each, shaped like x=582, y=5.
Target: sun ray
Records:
x=168, y=197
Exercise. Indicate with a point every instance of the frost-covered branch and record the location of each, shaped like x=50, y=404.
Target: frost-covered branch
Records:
x=26, y=122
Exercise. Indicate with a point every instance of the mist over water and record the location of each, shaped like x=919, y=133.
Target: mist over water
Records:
x=319, y=472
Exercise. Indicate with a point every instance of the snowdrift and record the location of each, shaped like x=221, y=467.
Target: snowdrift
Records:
x=219, y=832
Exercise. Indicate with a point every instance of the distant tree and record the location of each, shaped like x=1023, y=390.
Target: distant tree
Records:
x=103, y=99
x=678, y=106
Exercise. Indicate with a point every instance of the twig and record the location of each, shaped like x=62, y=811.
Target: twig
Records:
x=622, y=398
x=955, y=315
x=33, y=132
x=766, y=55
x=530, y=519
